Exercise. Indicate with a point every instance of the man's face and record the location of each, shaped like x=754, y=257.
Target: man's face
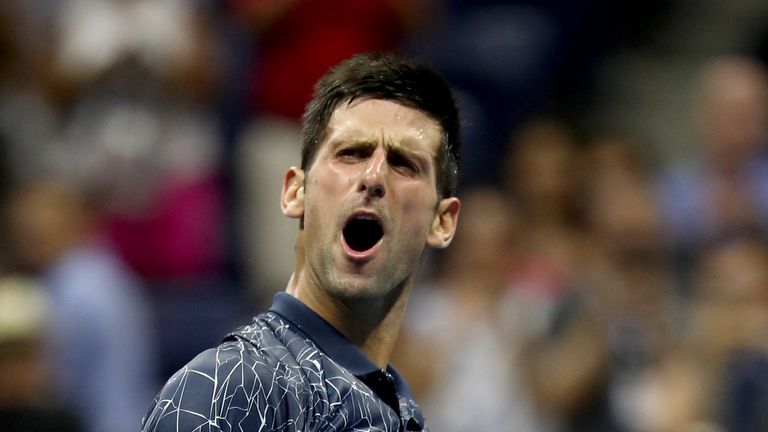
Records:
x=370, y=203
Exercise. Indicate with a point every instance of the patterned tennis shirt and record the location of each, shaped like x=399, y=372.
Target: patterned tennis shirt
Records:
x=289, y=370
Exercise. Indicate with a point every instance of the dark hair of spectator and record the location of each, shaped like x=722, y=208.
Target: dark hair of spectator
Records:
x=393, y=77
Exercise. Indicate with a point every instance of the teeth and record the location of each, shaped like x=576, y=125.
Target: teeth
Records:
x=365, y=217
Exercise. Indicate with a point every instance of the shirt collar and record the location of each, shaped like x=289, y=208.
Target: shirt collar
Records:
x=323, y=334
x=334, y=344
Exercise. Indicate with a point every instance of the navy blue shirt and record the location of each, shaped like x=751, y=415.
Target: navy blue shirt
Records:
x=289, y=370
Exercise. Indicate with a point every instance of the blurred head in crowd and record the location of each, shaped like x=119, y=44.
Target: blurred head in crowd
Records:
x=540, y=169
x=45, y=219
x=734, y=270
x=731, y=310
x=484, y=242
x=622, y=210
x=23, y=308
x=616, y=154
x=731, y=111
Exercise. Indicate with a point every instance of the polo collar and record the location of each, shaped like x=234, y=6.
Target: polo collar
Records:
x=330, y=341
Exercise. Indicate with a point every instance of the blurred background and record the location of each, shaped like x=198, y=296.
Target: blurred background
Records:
x=610, y=272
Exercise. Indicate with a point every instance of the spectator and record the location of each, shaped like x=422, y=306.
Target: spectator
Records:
x=541, y=174
x=98, y=339
x=724, y=186
x=134, y=81
x=25, y=404
x=473, y=328
x=730, y=322
x=591, y=370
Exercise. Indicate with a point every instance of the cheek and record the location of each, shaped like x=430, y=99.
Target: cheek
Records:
x=418, y=213
x=330, y=181
x=322, y=200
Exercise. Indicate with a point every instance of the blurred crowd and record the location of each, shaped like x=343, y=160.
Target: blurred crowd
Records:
x=592, y=286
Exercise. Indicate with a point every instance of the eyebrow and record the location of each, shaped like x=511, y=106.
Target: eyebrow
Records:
x=420, y=157
x=363, y=142
x=354, y=143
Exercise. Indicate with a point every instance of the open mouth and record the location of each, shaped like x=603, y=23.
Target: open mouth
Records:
x=362, y=232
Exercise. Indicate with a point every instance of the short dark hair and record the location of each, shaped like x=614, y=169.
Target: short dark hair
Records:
x=387, y=76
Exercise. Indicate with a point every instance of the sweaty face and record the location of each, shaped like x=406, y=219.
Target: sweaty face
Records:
x=370, y=199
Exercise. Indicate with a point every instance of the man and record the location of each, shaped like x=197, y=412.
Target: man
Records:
x=723, y=187
x=375, y=187
x=97, y=338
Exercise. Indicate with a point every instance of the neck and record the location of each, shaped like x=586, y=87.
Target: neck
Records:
x=371, y=324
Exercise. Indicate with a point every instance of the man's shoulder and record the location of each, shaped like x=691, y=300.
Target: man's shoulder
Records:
x=253, y=370
x=261, y=349
x=261, y=342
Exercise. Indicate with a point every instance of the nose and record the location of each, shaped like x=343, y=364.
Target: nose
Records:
x=372, y=181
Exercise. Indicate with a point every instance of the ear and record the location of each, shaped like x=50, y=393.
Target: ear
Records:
x=292, y=195
x=444, y=225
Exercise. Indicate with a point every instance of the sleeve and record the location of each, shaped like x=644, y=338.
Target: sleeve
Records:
x=225, y=388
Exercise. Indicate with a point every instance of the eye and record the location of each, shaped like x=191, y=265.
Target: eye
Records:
x=400, y=161
x=351, y=154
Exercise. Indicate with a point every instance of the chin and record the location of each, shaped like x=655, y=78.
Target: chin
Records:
x=358, y=290
x=365, y=289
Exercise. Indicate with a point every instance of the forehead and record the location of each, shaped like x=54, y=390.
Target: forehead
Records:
x=373, y=120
